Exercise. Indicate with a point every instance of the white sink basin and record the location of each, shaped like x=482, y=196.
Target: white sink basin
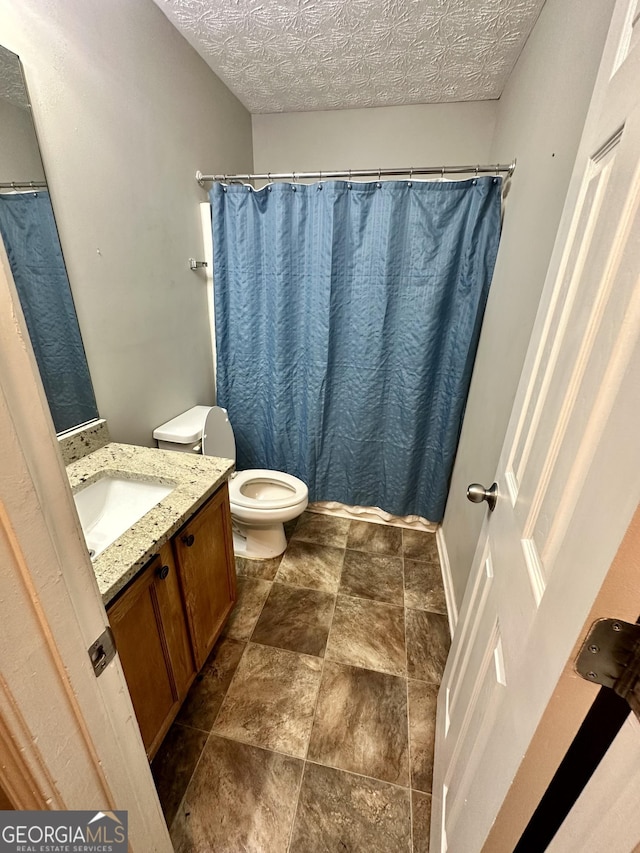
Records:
x=111, y=505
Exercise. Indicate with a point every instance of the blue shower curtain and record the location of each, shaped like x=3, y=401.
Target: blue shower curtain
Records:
x=28, y=229
x=347, y=320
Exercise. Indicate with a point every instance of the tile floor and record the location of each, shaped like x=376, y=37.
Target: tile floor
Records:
x=311, y=726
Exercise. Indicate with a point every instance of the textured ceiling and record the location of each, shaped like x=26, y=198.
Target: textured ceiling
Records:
x=11, y=82
x=291, y=55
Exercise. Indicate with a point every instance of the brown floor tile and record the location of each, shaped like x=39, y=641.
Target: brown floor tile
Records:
x=422, y=732
x=341, y=812
x=290, y=527
x=261, y=569
x=322, y=529
x=372, y=576
x=252, y=594
x=423, y=589
x=271, y=700
x=241, y=798
x=174, y=764
x=296, y=619
x=420, y=545
x=361, y=723
x=421, y=808
x=368, y=634
x=208, y=690
x=427, y=645
x=310, y=565
x=375, y=538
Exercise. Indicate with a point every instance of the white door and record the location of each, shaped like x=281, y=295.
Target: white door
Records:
x=568, y=475
x=67, y=739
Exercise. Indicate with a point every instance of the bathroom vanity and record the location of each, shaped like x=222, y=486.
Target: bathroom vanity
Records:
x=167, y=619
x=168, y=582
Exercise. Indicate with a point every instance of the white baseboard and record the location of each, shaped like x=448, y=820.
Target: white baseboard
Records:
x=447, y=580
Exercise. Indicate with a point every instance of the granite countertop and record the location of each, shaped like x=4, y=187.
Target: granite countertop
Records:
x=195, y=479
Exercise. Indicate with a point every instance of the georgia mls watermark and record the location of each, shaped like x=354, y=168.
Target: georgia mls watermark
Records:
x=63, y=832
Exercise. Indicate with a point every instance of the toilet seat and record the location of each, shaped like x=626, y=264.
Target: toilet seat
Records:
x=262, y=489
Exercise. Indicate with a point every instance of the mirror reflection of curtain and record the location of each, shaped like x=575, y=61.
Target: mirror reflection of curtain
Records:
x=29, y=233
x=347, y=320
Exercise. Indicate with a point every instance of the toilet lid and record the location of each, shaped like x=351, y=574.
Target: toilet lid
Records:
x=217, y=435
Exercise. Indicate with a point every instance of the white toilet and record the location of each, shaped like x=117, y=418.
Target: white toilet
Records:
x=261, y=500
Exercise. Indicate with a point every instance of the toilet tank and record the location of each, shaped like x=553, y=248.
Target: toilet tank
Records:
x=184, y=432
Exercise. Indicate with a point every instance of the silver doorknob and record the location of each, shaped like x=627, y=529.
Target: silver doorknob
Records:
x=477, y=493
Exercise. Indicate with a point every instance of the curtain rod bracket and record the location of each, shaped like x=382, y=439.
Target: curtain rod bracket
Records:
x=197, y=265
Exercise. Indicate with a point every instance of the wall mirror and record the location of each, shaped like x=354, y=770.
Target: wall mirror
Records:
x=30, y=236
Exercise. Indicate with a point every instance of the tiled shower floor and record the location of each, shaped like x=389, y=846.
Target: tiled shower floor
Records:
x=311, y=726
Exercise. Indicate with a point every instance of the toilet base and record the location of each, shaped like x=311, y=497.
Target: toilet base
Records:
x=258, y=543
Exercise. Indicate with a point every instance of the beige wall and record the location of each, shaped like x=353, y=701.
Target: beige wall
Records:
x=126, y=112
x=427, y=135
x=19, y=157
x=540, y=119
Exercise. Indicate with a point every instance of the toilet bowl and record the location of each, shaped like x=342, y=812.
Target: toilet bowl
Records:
x=261, y=500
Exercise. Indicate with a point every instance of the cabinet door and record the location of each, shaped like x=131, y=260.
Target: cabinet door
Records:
x=150, y=629
x=174, y=623
x=204, y=553
x=137, y=627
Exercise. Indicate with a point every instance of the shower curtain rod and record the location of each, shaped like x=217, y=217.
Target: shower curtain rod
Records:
x=410, y=171
x=19, y=185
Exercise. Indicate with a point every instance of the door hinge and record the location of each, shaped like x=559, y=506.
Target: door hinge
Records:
x=610, y=656
x=103, y=651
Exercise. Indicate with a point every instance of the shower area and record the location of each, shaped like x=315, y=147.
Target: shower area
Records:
x=347, y=314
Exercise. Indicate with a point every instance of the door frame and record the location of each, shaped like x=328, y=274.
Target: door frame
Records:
x=88, y=753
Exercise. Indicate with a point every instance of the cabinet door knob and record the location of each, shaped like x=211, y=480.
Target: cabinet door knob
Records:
x=189, y=540
x=162, y=572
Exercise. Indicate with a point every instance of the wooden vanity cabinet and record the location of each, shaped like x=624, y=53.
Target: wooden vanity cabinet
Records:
x=166, y=621
x=204, y=553
x=150, y=630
